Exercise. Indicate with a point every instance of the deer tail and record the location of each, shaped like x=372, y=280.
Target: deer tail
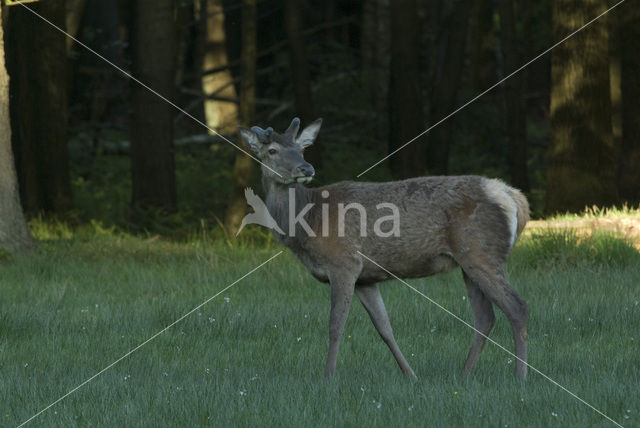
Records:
x=522, y=211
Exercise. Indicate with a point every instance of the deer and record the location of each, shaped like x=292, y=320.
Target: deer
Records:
x=443, y=222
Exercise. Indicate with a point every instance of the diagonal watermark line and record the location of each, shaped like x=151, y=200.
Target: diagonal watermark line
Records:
x=491, y=88
x=150, y=339
x=148, y=88
x=488, y=338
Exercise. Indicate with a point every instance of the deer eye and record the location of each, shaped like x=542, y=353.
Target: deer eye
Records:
x=272, y=151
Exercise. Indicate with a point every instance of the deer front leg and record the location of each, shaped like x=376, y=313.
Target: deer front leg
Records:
x=372, y=301
x=341, y=294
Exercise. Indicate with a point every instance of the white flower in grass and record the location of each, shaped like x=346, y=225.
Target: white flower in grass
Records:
x=212, y=320
x=410, y=408
x=227, y=299
x=298, y=339
x=554, y=414
x=243, y=393
x=509, y=361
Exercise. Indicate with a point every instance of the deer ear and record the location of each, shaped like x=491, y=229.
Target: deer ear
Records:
x=251, y=138
x=309, y=134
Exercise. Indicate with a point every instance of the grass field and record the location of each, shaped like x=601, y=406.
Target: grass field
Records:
x=254, y=356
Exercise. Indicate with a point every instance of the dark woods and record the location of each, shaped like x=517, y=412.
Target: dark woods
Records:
x=90, y=144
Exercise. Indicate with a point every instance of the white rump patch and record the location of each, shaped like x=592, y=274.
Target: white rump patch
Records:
x=498, y=192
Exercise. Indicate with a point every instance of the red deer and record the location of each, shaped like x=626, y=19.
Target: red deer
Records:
x=470, y=222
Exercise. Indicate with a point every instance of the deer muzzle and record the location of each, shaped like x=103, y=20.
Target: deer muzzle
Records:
x=304, y=173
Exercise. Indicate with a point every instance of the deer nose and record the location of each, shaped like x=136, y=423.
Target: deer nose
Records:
x=306, y=170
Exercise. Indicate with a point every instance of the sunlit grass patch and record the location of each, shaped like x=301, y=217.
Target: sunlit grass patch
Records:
x=50, y=229
x=568, y=248
x=596, y=212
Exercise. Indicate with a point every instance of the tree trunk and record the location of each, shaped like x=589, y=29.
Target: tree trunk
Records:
x=300, y=72
x=375, y=62
x=446, y=89
x=243, y=166
x=102, y=17
x=329, y=16
x=368, y=33
x=37, y=63
x=615, y=81
x=220, y=115
x=514, y=87
x=73, y=20
x=405, y=96
x=14, y=233
x=483, y=70
x=151, y=130
x=184, y=24
x=581, y=164
x=629, y=164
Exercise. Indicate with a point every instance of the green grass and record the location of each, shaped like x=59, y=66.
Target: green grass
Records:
x=595, y=212
x=254, y=356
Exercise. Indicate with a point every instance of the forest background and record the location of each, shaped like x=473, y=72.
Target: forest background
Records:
x=92, y=145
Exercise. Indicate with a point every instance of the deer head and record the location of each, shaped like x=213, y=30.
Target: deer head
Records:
x=283, y=153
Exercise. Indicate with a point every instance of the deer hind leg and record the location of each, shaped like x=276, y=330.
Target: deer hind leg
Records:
x=341, y=294
x=483, y=321
x=371, y=299
x=495, y=286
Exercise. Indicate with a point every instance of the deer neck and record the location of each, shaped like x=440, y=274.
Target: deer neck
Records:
x=282, y=198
